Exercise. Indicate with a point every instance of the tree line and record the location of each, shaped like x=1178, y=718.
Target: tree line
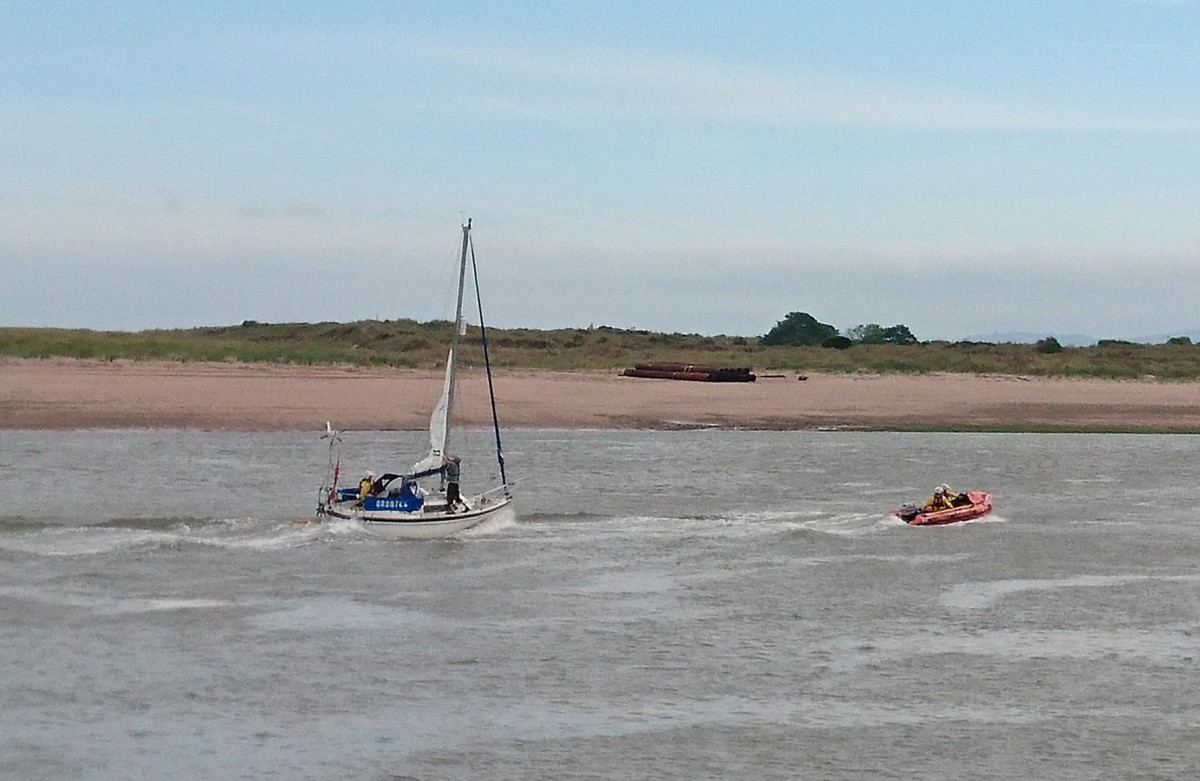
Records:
x=800, y=329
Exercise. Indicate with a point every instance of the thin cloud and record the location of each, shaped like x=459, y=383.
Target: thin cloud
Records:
x=592, y=83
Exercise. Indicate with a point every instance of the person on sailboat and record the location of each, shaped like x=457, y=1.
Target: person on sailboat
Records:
x=451, y=469
x=366, y=485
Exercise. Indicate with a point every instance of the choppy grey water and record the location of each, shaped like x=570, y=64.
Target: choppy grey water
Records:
x=699, y=604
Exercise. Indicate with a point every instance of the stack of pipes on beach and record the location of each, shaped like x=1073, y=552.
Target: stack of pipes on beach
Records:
x=687, y=371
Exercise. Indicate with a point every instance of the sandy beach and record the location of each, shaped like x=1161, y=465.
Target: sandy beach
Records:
x=66, y=393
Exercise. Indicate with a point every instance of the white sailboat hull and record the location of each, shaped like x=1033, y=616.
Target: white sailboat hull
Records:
x=427, y=522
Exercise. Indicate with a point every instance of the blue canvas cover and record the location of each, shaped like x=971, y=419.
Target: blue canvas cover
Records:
x=405, y=500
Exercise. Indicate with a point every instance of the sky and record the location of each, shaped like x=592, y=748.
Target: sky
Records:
x=961, y=168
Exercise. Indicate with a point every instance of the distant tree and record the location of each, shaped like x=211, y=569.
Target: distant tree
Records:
x=798, y=329
x=1048, y=345
x=872, y=333
x=1184, y=340
x=838, y=342
x=899, y=334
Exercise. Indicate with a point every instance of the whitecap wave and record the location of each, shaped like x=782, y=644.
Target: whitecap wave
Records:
x=981, y=594
x=233, y=533
x=111, y=606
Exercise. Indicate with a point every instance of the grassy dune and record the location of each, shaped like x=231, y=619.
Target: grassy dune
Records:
x=407, y=343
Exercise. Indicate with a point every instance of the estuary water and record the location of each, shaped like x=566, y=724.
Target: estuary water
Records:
x=668, y=605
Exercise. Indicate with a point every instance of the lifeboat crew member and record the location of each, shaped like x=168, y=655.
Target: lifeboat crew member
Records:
x=942, y=499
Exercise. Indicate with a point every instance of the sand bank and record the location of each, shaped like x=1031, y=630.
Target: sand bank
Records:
x=63, y=393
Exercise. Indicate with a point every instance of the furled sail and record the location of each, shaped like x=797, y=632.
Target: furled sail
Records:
x=438, y=423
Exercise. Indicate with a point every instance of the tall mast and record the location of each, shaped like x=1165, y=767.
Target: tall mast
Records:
x=458, y=324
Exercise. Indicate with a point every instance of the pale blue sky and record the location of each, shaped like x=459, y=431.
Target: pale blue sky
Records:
x=964, y=168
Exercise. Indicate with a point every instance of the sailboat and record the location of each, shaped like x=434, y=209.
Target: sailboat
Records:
x=424, y=502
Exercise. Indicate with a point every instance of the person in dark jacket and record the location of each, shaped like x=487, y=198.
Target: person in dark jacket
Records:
x=451, y=469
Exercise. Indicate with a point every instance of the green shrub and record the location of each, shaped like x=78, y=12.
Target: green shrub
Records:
x=1048, y=345
x=838, y=342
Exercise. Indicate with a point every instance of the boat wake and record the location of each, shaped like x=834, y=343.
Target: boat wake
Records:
x=155, y=534
x=109, y=606
x=850, y=524
x=990, y=518
x=505, y=519
x=735, y=524
x=252, y=534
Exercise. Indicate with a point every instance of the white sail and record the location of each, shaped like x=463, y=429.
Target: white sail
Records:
x=438, y=423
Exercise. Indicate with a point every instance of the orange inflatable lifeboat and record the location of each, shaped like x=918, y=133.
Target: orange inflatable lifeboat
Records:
x=968, y=507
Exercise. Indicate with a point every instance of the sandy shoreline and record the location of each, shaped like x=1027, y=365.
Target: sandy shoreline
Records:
x=65, y=393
